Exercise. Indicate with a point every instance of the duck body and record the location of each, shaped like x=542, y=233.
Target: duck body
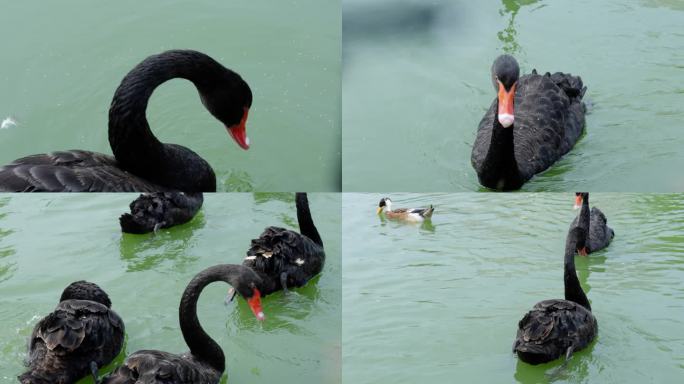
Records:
x=153, y=211
x=549, y=120
x=77, y=338
x=406, y=214
x=141, y=163
x=284, y=258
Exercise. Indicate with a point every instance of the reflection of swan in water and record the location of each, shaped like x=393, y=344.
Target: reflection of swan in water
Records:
x=142, y=253
x=508, y=34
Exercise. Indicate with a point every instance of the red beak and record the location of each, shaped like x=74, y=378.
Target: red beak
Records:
x=255, y=305
x=578, y=202
x=239, y=131
x=505, y=112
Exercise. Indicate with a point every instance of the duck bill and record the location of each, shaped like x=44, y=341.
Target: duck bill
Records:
x=578, y=202
x=255, y=305
x=239, y=131
x=379, y=210
x=505, y=110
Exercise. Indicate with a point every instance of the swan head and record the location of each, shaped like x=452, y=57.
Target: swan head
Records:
x=579, y=198
x=229, y=100
x=385, y=202
x=505, y=73
x=83, y=290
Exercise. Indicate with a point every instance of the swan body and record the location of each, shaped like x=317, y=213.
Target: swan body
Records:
x=205, y=362
x=594, y=222
x=535, y=121
x=141, y=163
x=80, y=336
x=555, y=328
x=407, y=214
x=153, y=211
x=285, y=258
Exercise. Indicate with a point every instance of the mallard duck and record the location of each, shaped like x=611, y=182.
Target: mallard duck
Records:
x=408, y=214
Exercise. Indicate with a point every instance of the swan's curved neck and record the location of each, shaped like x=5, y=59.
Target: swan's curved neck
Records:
x=306, y=224
x=201, y=345
x=573, y=289
x=134, y=145
x=500, y=167
x=584, y=213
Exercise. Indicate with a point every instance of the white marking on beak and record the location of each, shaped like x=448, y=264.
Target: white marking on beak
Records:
x=261, y=316
x=247, y=140
x=506, y=120
x=576, y=206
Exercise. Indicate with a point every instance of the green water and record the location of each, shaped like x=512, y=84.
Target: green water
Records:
x=416, y=83
x=62, y=62
x=440, y=303
x=46, y=242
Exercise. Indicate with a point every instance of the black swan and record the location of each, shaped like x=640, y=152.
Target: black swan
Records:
x=554, y=328
x=285, y=258
x=532, y=123
x=599, y=234
x=141, y=163
x=408, y=214
x=205, y=362
x=153, y=211
x=80, y=336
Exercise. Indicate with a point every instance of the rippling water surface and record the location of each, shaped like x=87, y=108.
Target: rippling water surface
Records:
x=417, y=82
x=440, y=302
x=46, y=242
x=61, y=63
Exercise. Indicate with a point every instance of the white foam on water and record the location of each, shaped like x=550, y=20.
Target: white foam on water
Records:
x=8, y=122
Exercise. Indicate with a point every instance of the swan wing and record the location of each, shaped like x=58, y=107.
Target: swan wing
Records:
x=279, y=250
x=546, y=332
x=70, y=171
x=82, y=327
x=150, y=366
x=600, y=234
